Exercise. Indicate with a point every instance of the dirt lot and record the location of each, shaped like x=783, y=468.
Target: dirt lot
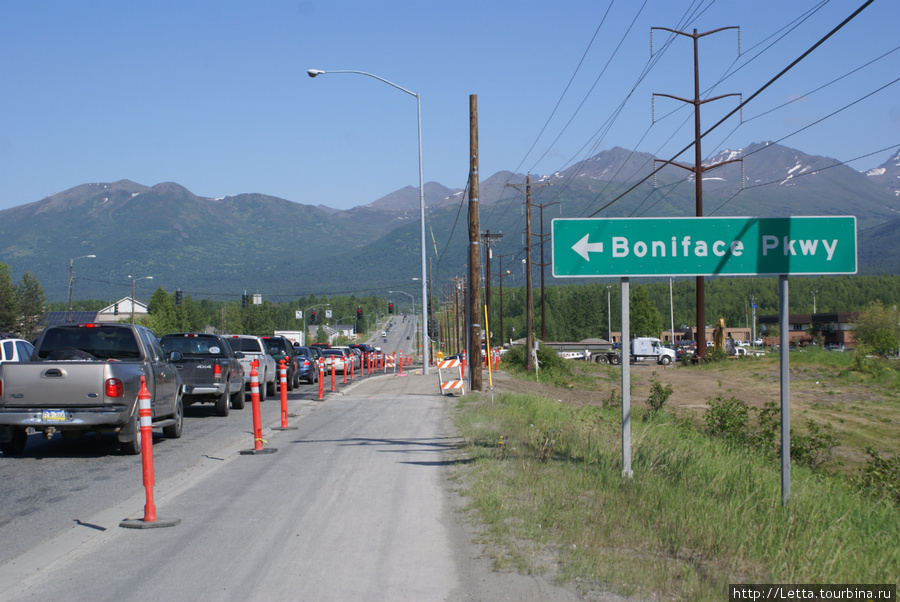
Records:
x=860, y=415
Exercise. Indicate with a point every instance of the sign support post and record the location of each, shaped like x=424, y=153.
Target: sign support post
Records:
x=626, y=379
x=784, y=361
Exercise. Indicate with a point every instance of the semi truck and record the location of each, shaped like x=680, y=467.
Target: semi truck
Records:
x=642, y=348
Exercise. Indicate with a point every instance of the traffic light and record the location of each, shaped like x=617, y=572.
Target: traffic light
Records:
x=116, y=309
x=178, y=297
x=390, y=308
x=245, y=301
x=312, y=317
x=359, y=313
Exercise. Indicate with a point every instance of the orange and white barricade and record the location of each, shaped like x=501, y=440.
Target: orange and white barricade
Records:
x=449, y=386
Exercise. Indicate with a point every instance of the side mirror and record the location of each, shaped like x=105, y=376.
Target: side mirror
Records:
x=175, y=356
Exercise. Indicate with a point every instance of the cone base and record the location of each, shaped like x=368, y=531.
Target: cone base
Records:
x=139, y=523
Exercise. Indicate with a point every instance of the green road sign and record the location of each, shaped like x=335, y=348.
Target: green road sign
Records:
x=703, y=246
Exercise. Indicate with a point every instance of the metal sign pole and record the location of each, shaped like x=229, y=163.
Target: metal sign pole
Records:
x=626, y=381
x=784, y=329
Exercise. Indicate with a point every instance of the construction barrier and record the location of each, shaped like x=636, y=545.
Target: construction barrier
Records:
x=257, y=416
x=150, y=519
x=282, y=371
x=457, y=384
x=321, y=378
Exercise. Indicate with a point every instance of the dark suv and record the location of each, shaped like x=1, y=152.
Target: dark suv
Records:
x=281, y=348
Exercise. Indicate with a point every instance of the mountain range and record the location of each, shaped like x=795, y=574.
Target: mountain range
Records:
x=222, y=247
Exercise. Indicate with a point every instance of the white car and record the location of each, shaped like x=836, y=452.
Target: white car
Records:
x=254, y=348
x=15, y=350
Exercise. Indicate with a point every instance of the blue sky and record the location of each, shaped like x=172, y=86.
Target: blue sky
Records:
x=214, y=95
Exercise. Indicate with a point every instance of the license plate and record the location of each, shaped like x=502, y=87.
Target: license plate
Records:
x=53, y=416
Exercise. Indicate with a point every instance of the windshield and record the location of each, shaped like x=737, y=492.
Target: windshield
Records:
x=102, y=342
x=192, y=346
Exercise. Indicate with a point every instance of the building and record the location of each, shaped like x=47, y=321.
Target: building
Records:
x=836, y=328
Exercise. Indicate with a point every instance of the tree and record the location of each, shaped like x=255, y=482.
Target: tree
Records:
x=9, y=304
x=31, y=299
x=645, y=318
x=878, y=328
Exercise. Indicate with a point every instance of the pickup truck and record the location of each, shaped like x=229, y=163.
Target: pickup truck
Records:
x=254, y=348
x=86, y=377
x=210, y=371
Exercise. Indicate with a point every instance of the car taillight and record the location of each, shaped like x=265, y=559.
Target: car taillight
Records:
x=114, y=388
x=217, y=372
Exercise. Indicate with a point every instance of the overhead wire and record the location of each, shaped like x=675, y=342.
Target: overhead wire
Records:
x=748, y=100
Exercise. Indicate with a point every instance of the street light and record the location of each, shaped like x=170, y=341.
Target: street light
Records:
x=314, y=73
x=814, y=293
x=132, y=292
x=72, y=280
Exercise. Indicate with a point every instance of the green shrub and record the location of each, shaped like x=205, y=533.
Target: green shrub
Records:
x=728, y=419
x=881, y=477
x=659, y=395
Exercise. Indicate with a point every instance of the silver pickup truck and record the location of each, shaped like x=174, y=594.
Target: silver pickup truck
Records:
x=86, y=377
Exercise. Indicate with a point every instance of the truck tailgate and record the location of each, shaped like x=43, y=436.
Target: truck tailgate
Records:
x=56, y=384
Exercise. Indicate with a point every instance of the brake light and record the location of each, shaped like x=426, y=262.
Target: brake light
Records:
x=114, y=388
x=217, y=372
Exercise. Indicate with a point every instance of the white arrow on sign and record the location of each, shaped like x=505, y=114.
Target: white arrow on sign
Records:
x=583, y=247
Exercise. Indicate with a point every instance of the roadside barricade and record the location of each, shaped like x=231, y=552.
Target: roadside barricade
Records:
x=449, y=386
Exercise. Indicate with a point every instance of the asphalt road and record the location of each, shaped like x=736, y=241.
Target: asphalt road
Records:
x=356, y=504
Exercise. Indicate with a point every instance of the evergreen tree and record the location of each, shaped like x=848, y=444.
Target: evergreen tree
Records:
x=31, y=299
x=9, y=304
x=645, y=318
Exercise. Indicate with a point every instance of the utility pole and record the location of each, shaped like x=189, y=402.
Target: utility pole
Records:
x=697, y=168
x=542, y=264
x=474, y=358
x=500, y=294
x=489, y=239
x=529, y=312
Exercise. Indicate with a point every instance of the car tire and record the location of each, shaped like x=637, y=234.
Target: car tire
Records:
x=290, y=381
x=133, y=447
x=615, y=360
x=238, y=399
x=270, y=388
x=665, y=360
x=222, y=403
x=263, y=386
x=17, y=445
x=174, y=431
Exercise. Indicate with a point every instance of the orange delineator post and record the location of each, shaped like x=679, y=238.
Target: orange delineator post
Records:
x=333, y=369
x=400, y=361
x=283, y=374
x=321, y=378
x=254, y=400
x=145, y=413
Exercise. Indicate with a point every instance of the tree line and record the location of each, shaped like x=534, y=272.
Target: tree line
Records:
x=572, y=312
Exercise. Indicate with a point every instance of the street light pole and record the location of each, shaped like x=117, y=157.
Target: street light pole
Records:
x=132, y=292
x=72, y=280
x=425, y=345
x=813, y=293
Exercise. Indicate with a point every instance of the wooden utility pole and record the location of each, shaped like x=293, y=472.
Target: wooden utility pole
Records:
x=474, y=355
x=698, y=170
x=500, y=294
x=529, y=310
x=489, y=239
x=542, y=264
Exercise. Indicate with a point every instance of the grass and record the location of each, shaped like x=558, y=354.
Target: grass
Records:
x=546, y=480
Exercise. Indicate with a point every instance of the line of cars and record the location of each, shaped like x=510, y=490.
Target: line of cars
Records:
x=79, y=378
